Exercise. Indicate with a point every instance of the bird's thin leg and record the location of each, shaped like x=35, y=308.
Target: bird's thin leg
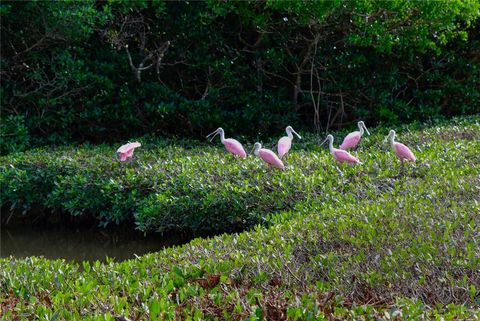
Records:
x=413, y=170
x=342, y=175
x=339, y=170
x=401, y=172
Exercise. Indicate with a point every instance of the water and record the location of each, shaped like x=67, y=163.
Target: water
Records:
x=80, y=245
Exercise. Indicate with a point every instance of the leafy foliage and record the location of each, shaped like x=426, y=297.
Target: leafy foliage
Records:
x=14, y=134
x=100, y=71
x=173, y=187
x=361, y=244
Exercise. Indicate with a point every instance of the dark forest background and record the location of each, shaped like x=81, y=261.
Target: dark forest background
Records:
x=107, y=71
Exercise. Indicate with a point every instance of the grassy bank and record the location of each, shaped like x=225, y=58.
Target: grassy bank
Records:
x=167, y=187
x=195, y=186
x=361, y=243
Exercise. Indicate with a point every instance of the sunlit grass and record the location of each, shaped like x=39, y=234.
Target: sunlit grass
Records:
x=335, y=241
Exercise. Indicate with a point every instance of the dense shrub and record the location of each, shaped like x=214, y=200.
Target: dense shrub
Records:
x=197, y=187
x=364, y=244
x=14, y=134
x=249, y=66
x=169, y=188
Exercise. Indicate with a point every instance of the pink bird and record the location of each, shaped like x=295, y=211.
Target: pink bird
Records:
x=267, y=156
x=285, y=142
x=352, y=139
x=126, y=151
x=231, y=145
x=339, y=154
x=402, y=151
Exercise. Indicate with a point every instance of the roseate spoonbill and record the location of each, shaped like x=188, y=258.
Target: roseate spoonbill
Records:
x=267, y=156
x=285, y=142
x=352, y=139
x=339, y=154
x=402, y=151
x=231, y=145
x=126, y=151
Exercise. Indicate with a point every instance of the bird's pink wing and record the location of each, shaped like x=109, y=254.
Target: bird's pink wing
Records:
x=404, y=152
x=234, y=147
x=123, y=156
x=343, y=156
x=130, y=152
x=125, y=148
x=284, y=145
x=269, y=157
x=351, y=140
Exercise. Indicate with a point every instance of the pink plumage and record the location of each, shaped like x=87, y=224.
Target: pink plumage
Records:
x=234, y=147
x=351, y=140
x=231, y=145
x=126, y=151
x=403, y=152
x=284, y=145
x=343, y=156
x=340, y=155
x=269, y=157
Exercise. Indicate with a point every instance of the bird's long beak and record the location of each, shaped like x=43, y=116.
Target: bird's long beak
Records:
x=214, y=134
x=326, y=139
x=386, y=139
x=293, y=131
x=365, y=127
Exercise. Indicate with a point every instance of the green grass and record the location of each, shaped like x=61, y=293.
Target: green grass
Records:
x=187, y=187
x=347, y=243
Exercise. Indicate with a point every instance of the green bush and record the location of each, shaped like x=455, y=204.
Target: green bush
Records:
x=252, y=67
x=170, y=188
x=14, y=135
x=362, y=243
x=187, y=187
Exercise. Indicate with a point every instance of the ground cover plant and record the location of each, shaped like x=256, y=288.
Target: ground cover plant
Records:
x=352, y=242
x=194, y=187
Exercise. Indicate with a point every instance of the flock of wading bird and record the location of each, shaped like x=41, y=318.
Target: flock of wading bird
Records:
x=341, y=155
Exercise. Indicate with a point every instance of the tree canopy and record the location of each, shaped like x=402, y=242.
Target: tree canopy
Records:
x=109, y=70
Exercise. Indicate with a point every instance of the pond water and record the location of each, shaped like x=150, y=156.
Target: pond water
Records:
x=79, y=245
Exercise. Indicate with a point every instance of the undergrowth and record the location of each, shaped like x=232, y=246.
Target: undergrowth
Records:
x=337, y=242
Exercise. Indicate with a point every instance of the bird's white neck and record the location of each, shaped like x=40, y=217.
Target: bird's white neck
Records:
x=392, y=140
x=256, y=149
x=289, y=133
x=361, y=129
x=330, y=146
x=222, y=135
